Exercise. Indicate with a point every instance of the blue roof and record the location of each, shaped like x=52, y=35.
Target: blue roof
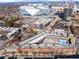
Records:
x=62, y=42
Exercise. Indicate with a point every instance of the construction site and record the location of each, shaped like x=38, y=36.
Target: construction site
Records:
x=42, y=31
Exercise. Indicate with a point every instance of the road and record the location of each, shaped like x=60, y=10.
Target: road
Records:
x=34, y=39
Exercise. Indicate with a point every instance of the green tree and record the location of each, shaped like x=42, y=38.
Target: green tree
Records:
x=9, y=23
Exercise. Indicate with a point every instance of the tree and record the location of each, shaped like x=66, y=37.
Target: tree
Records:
x=1, y=17
x=9, y=23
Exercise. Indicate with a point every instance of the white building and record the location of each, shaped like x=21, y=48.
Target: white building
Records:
x=34, y=10
x=75, y=9
x=9, y=31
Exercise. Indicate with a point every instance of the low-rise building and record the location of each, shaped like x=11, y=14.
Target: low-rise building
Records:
x=9, y=32
x=42, y=23
x=58, y=9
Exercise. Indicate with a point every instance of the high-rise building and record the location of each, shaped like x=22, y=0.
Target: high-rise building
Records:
x=67, y=13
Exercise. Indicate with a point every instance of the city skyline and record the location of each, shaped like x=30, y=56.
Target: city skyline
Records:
x=32, y=0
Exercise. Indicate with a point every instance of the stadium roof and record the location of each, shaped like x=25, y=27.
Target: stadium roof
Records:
x=33, y=10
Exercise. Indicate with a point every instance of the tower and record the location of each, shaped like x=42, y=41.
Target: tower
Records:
x=68, y=10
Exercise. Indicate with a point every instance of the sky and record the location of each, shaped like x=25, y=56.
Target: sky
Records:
x=30, y=0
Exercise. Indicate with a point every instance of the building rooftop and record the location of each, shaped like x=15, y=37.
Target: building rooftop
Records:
x=34, y=10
